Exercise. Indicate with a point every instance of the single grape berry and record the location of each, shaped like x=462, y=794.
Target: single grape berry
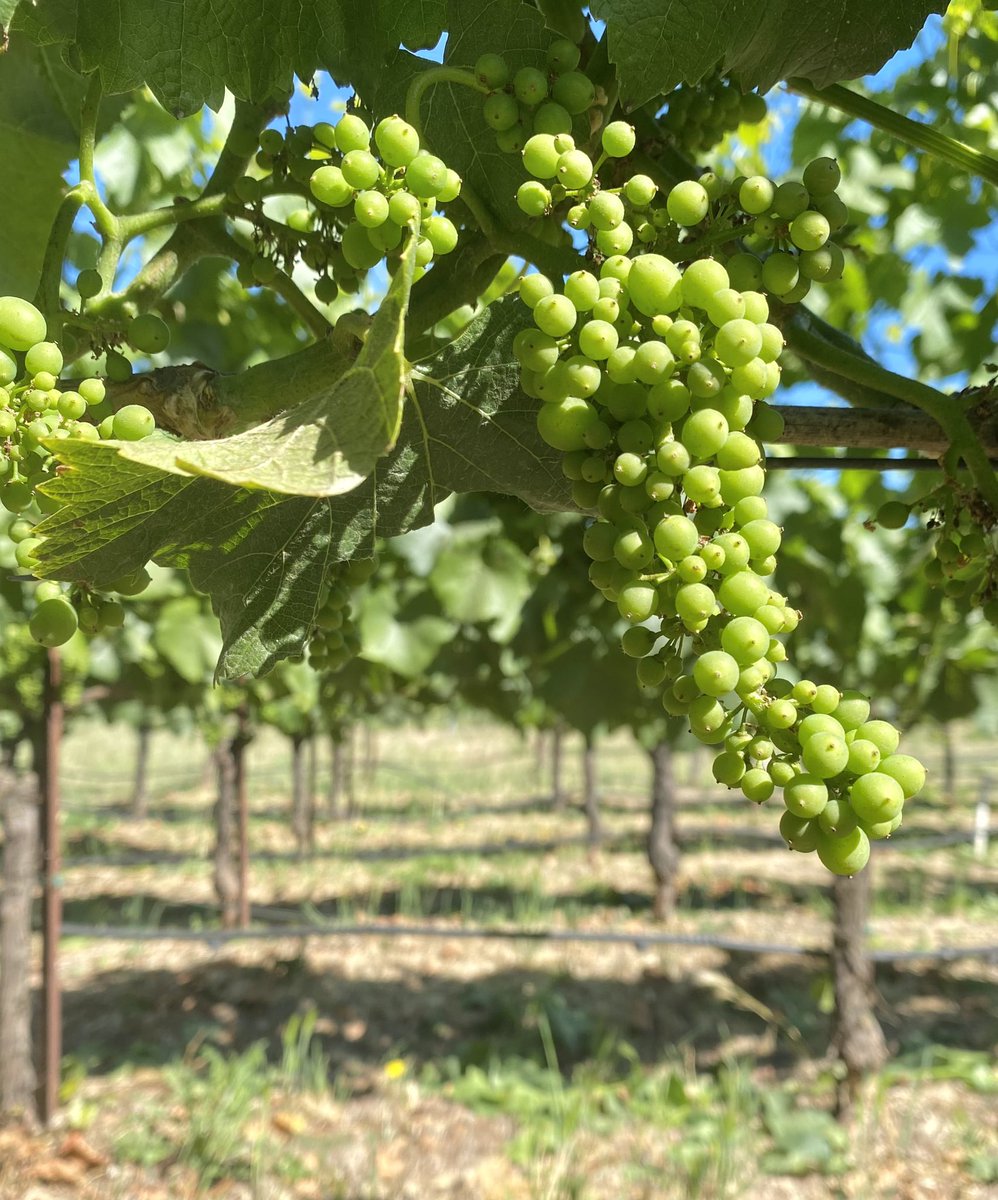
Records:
x=492, y=70
x=132, y=423
x=397, y=141
x=149, y=333
x=618, y=139
x=53, y=622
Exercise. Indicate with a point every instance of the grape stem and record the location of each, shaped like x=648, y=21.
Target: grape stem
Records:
x=104, y=218
x=47, y=296
x=914, y=133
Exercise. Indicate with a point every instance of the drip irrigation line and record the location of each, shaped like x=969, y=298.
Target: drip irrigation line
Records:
x=640, y=941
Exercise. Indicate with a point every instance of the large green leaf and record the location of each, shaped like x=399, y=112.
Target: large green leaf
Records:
x=657, y=44
x=330, y=442
x=261, y=557
x=190, y=51
x=39, y=105
x=405, y=642
x=7, y=10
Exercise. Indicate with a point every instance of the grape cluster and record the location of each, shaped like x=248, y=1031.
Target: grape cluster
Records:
x=34, y=411
x=362, y=193
x=653, y=383
x=532, y=100
x=964, y=553
x=700, y=115
x=335, y=639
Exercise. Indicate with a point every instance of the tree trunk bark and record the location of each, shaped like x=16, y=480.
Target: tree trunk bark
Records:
x=349, y=770
x=140, y=792
x=226, y=855
x=949, y=765
x=590, y=791
x=557, y=761
x=540, y=755
x=239, y=744
x=20, y=878
x=302, y=822
x=857, y=1038
x=335, y=794
x=370, y=753
x=663, y=848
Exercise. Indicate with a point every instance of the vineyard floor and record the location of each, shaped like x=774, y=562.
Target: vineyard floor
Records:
x=365, y=1067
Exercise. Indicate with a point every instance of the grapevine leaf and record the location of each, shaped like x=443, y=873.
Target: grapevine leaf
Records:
x=37, y=141
x=190, y=51
x=407, y=643
x=260, y=556
x=451, y=114
x=657, y=45
x=7, y=10
x=481, y=576
x=324, y=446
x=187, y=638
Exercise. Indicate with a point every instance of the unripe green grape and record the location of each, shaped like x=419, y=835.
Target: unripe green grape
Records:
x=89, y=283
x=618, y=139
x=736, y=553
x=704, y=432
x=53, y=622
x=876, y=796
x=574, y=92
x=636, y=602
x=638, y=641
x=615, y=241
x=534, y=288
x=676, y=537
x=500, y=111
x=716, y=673
x=824, y=265
x=44, y=358
x=563, y=55
x=694, y=602
x=563, y=425
x=687, y=203
x=633, y=549
x=906, y=770
x=742, y=593
x=585, y=495
x=72, y=406
x=629, y=469
x=883, y=736
x=247, y=189
x=540, y=157
x=799, y=834
x=533, y=198
x=584, y=378
x=358, y=249
x=702, y=485
x=598, y=540
x=744, y=271
x=388, y=235
x=852, y=710
x=702, y=280
x=530, y=86
x=92, y=390
x=21, y=324
x=826, y=699
x=105, y=429
x=757, y=785
x=606, y=211
x=728, y=768
x=370, y=209
x=652, y=362
x=328, y=186
x=752, y=508
x=805, y=796
x=837, y=817
x=725, y=305
x=640, y=191
x=574, y=170
x=781, y=714
x=746, y=640
x=819, y=723
x=790, y=199
x=736, y=485
x=756, y=195
x=864, y=756
x=133, y=423
x=635, y=436
x=441, y=233
x=825, y=755
x=780, y=273
x=618, y=266
x=845, y=855
x=821, y=176
x=738, y=452
x=452, y=187
x=737, y=342
x=352, y=133
x=651, y=672
x=553, y=119
x=809, y=230
x=512, y=140
x=707, y=714
x=555, y=315
x=360, y=169
x=797, y=292
x=653, y=283
x=492, y=70
x=893, y=515
x=425, y=175
x=691, y=569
